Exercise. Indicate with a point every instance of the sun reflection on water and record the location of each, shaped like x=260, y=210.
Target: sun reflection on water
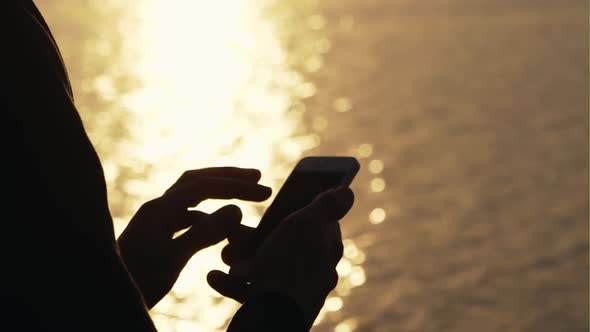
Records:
x=207, y=84
x=164, y=86
x=215, y=90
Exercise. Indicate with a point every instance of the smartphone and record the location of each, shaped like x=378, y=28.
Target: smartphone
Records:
x=310, y=177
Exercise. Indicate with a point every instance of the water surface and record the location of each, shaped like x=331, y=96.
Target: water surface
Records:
x=469, y=119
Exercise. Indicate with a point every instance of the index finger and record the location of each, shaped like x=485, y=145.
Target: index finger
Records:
x=202, y=188
x=246, y=174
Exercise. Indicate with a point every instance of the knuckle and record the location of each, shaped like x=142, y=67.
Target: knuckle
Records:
x=339, y=250
x=322, y=201
x=151, y=204
x=232, y=208
x=295, y=217
x=333, y=280
x=323, y=195
x=326, y=205
x=187, y=175
x=227, y=256
x=330, y=202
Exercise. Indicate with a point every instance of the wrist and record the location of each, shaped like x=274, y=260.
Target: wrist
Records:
x=308, y=307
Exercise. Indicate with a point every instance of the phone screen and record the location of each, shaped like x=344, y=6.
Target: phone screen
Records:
x=299, y=190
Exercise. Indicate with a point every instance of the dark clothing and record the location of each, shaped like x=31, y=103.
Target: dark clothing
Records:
x=66, y=271
x=270, y=312
x=62, y=267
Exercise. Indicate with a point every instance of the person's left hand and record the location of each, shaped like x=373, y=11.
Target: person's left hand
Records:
x=153, y=257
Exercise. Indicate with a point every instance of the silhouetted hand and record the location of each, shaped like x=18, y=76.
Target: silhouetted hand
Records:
x=298, y=259
x=153, y=257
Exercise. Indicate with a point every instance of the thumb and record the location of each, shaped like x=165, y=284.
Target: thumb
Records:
x=229, y=285
x=206, y=232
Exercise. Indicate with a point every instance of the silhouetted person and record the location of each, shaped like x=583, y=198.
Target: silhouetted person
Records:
x=63, y=269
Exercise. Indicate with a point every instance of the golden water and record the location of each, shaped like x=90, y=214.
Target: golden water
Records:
x=190, y=84
x=469, y=118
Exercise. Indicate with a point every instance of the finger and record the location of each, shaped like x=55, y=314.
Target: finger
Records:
x=333, y=281
x=333, y=240
x=241, y=269
x=241, y=234
x=233, y=253
x=228, y=286
x=245, y=174
x=202, y=188
x=328, y=207
x=185, y=219
x=239, y=247
x=209, y=231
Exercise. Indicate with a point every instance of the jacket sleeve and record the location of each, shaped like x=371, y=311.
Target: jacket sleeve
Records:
x=268, y=312
x=61, y=267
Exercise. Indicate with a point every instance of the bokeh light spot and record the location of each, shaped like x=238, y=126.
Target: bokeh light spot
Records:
x=346, y=326
x=323, y=45
x=365, y=150
x=376, y=166
x=342, y=105
x=333, y=304
x=314, y=63
x=306, y=90
x=377, y=216
x=357, y=276
x=377, y=185
x=316, y=22
x=319, y=123
x=343, y=268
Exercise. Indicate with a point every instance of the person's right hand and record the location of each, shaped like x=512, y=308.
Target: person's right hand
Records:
x=298, y=259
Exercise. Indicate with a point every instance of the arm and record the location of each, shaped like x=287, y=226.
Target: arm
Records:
x=63, y=268
x=268, y=312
